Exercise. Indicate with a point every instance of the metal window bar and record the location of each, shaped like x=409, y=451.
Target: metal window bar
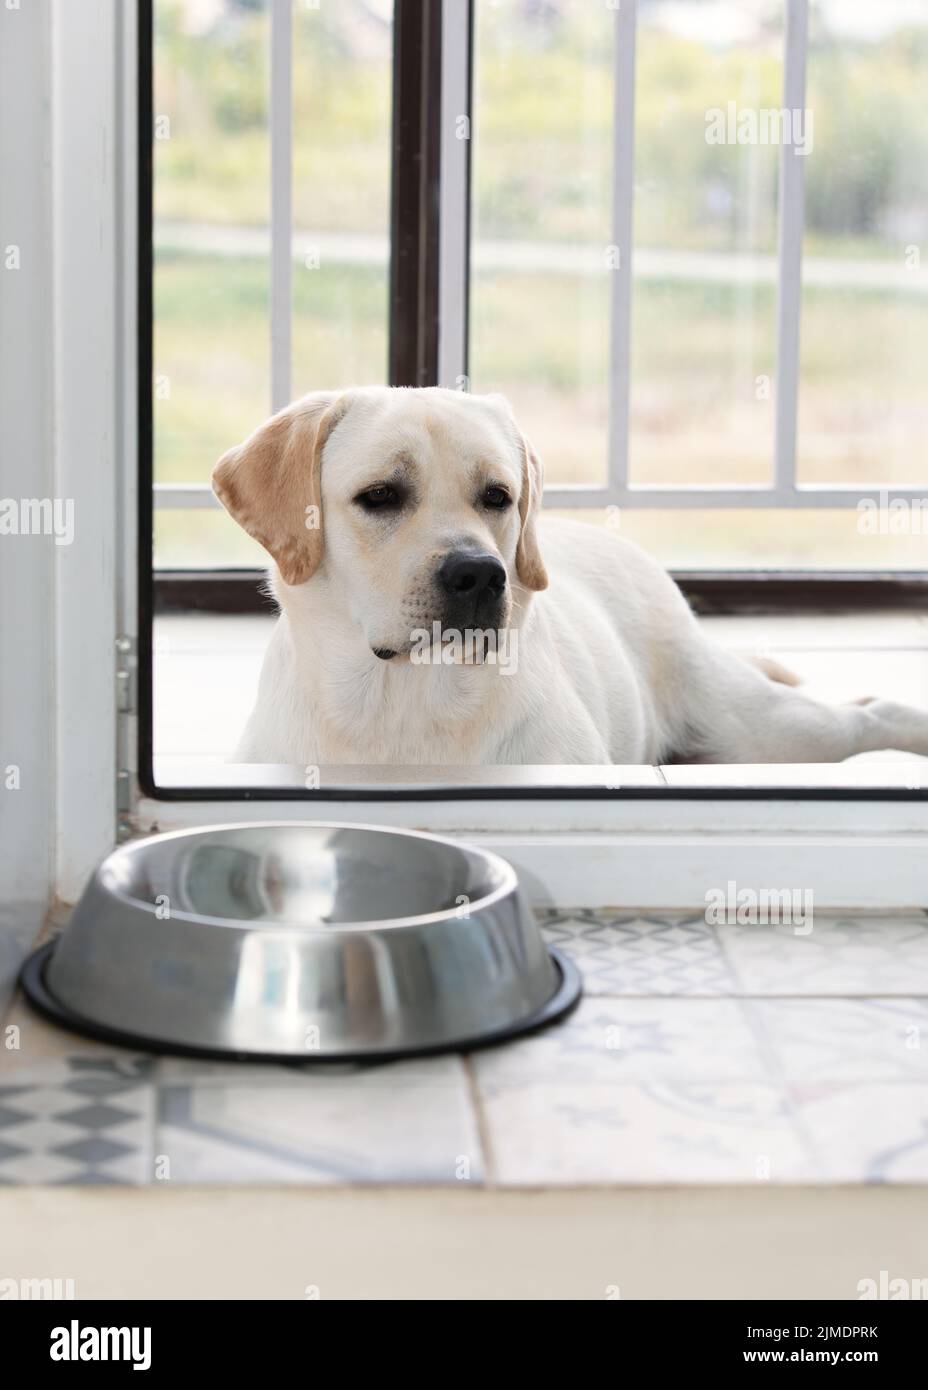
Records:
x=281, y=133
x=454, y=236
x=457, y=27
x=789, y=253
x=415, y=178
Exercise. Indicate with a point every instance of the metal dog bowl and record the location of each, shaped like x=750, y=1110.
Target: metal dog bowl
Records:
x=301, y=941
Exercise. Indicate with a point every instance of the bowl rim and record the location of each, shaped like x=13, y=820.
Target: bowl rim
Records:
x=509, y=881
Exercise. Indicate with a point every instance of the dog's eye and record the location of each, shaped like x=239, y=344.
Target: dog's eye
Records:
x=375, y=499
x=496, y=498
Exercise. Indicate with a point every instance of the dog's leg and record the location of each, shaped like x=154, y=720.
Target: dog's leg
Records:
x=734, y=714
x=774, y=670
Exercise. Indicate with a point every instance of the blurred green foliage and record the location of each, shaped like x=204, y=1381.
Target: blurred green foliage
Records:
x=543, y=125
x=542, y=174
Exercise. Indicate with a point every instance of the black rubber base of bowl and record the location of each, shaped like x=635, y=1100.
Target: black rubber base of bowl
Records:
x=32, y=978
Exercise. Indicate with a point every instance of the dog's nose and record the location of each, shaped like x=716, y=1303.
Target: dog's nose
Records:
x=472, y=573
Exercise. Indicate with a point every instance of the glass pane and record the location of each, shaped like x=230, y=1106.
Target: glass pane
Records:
x=211, y=285
x=863, y=414
x=542, y=183
x=342, y=112
x=212, y=230
x=705, y=235
x=810, y=538
x=193, y=538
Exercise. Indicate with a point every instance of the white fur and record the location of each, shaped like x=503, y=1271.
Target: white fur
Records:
x=612, y=665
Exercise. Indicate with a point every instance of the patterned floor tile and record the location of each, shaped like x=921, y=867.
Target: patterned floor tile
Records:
x=408, y=1122
x=840, y=956
x=77, y=1120
x=611, y=1041
x=874, y=1133
x=857, y=1040
x=546, y=1134
x=639, y=1090
x=633, y=954
x=33, y=1048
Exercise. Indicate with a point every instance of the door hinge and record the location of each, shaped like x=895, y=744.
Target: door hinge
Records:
x=125, y=675
x=126, y=708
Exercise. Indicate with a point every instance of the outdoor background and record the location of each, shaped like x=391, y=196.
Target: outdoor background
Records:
x=705, y=226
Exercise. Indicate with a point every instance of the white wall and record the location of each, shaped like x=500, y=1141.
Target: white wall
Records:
x=92, y=96
x=26, y=470
x=67, y=416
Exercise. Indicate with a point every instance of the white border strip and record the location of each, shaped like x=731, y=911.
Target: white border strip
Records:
x=462, y=1242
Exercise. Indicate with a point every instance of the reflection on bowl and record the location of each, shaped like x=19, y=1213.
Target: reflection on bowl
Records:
x=304, y=941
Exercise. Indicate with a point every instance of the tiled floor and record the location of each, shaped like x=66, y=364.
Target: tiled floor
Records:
x=206, y=673
x=699, y=1055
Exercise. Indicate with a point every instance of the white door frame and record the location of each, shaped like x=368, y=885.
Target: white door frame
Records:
x=27, y=562
x=644, y=853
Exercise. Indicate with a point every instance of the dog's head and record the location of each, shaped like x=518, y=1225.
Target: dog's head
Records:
x=413, y=507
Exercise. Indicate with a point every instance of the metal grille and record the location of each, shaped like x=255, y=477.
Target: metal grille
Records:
x=452, y=208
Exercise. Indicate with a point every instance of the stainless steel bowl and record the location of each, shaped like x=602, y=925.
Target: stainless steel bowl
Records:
x=301, y=941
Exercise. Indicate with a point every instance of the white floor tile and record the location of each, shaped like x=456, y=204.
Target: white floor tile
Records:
x=840, y=956
x=676, y=1133
x=405, y=1122
x=866, y=1132
x=836, y=1040
x=639, y=1090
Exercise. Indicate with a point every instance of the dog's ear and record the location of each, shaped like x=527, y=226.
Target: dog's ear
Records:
x=529, y=564
x=272, y=483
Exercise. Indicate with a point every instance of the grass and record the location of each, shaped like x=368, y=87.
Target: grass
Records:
x=543, y=339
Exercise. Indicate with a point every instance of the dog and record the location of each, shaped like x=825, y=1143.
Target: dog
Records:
x=430, y=615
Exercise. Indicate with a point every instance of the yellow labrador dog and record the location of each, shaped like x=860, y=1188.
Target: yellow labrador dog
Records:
x=430, y=615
